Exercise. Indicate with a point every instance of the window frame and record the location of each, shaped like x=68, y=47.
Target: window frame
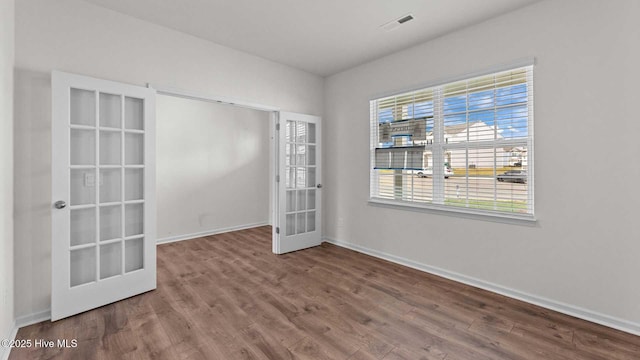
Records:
x=440, y=147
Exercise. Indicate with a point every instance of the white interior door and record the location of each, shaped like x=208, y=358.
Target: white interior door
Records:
x=299, y=202
x=103, y=217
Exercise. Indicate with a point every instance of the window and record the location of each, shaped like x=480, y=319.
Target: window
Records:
x=464, y=146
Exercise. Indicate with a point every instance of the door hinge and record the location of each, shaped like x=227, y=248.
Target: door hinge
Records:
x=277, y=178
x=277, y=126
x=277, y=230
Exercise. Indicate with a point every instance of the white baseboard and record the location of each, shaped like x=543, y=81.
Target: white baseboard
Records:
x=11, y=335
x=175, y=238
x=568, y=309
x=30, y=319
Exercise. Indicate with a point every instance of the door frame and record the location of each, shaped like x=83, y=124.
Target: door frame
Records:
x=274, y=159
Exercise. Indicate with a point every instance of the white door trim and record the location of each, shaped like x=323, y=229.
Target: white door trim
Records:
x=214, y=99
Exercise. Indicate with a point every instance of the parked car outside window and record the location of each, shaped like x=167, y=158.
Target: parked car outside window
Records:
x=514, y=176
x=428, y=171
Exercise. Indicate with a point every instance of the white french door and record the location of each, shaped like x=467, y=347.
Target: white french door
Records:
x=299, y=202
x=103, y=217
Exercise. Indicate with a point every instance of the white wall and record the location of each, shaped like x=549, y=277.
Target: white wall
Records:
x=212, y=167
x=6, y=168
x=78, y=37
x=584, y=249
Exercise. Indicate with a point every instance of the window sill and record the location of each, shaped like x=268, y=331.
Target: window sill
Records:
x=528, y=220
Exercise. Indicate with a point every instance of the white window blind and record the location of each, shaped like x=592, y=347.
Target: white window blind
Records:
x=465, y=145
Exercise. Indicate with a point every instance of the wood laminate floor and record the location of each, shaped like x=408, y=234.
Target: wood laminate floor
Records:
x=228, y=297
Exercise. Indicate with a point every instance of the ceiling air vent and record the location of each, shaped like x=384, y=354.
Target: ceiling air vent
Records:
x=394, y=24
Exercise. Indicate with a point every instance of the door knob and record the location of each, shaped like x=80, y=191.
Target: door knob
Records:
x=60, y=204
x=319, y=186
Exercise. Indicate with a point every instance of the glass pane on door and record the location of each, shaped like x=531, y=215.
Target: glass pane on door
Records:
x=311, y=155
x=110, y=260
x=134, y=254
x=311, y=199
x=301, y=177
x=110, y=148
x=110, y=111
x=312, y=133
x=110, y=222
x=134, y=113
x=83, y=107
x=300, y=223
x=291, y=224
x=311, y=177
x=302, y=200
x=110, y=185
x=291, y=200
x=83, y=266
x=134, y=149
x=301, y=158
x=133, y=219
x=83, y=226
x=83, y=186
x=311, y=221
x=83, y=147
x=301, y=136
x=134, y=184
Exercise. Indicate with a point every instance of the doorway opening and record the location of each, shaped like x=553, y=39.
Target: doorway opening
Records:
x=294, y=172
x=215, y=167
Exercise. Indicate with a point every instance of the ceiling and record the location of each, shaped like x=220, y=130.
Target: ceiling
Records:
x=319, y=36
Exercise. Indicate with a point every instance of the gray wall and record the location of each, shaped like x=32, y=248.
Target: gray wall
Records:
x=212, y=167
x=77, y=37
x=583, y=251
x=6, y=168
